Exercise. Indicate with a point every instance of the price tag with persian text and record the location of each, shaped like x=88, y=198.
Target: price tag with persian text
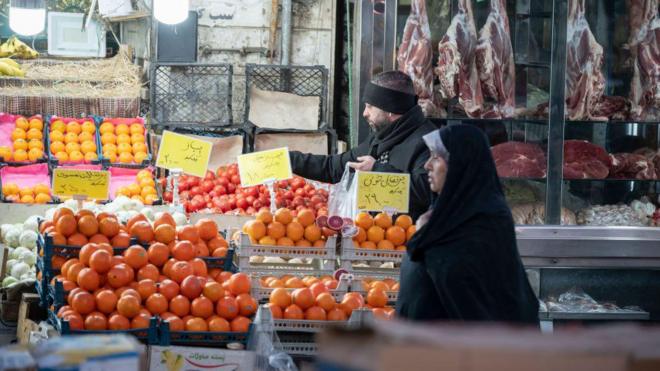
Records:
x=189, y=154
x=90, y=184
x=265, y=166
x=383, y=191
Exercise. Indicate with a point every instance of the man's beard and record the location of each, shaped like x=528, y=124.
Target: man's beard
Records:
x=378, y=126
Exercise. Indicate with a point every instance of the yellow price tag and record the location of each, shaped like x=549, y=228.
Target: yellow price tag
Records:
x=383, y=191
x=261, y=167
x=91, y=184
x=189, y=154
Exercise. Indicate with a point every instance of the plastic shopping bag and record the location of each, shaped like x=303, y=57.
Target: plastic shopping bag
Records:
x=342, y=201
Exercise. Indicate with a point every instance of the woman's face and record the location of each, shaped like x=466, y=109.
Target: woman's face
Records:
x=437, y=171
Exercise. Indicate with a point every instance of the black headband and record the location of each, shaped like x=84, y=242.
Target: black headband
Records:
x=388, y=100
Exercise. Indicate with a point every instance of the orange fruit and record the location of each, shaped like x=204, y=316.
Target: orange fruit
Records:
x=143, y=231
x=34, y=143
x=100, y=261
x=201, y=307
x=312, y=233
x=123, y=138
x=156, y=303
x=188, y=233
x=35, y=154
x=137, y=138
x=108, y=138
x=125, y=157
x=180, y=270
x=83, y=302
x=109, y=227
x=88, y=127
x=122, y=129
x=213, y=291
x=180, y=305
x=264, y=216
x=106, y=127
x=88, y=225
x=146, y=287
x=375, y=234
x=106, y=301
x=315, y=314
x=191, y=287
x=303, y=298
x=247, y=305
x=168, y=288
x=336, y=314
x=20, y=155
x=128, y=306
x=364, y=220
x=66, y=225
x=118, y=276
x=22, y=123
x=56, y=136
x=396, y=235
x=183, y=250
x=276, y=230
x=275, y=310
x=96, y=321
x=36, y=123
x=283, y=216
x=34, y=134
x=62, y=157
x=239, y=283
x=88, y=279
x=91, y=156
x=385, y=245
x=240, y=324
x=295, y=231
x=76, y=156
x=306, y=217
x=207, y=229
x=377, y=298
x=18, y=133
x=149, y=271
x=227, y=308
x=5, y=154
x=72, y=147
x=142, y=320
x=293, y=312
x=158, y=253
x=256, y=229
x=136, y=129
x=218, y=324
x=70, y=138
x=280, y=297
x=383, y=220
x=325, y=301
x=196, y=324
x=136, y=256
x=349, y=304
x=118, y=322
x=73, y=127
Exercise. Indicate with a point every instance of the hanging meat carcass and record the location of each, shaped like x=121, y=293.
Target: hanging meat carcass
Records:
x=584, y=59
x=495, y=63
x=415, y=57
x=457, y=70
x=644, y=43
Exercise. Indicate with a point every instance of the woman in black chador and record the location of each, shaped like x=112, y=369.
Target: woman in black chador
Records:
x=463, y=264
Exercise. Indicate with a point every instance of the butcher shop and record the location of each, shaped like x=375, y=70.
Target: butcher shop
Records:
x=283, y=185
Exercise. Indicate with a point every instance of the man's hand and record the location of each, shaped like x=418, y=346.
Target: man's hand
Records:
x=366, y=163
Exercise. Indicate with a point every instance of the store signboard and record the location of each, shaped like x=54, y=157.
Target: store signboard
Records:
x=264, y=167
x=387, y=192
x=81, y=184
x=177, y=151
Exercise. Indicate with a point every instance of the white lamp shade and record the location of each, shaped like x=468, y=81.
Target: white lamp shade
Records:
x=27, y=22
x=171, y=11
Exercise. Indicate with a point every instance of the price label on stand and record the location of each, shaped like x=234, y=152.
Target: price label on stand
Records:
x=189, y=154
x=265, y=166
x=383, y=191
x=90, y=184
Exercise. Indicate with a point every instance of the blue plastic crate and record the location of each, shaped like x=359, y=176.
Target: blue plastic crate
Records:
x=226, y=263
x=147, y=335
x=52, y=160
x=147, y=137
x=202, y=338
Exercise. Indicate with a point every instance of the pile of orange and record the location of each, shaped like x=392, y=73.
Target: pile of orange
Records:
x=73, y=141
x=293, y=282
x=316, y=303
x=381, y=233
x=27, y=141
x=123, y=143
x=386, y=284
x=283, y=229
x=143, y=190
x=167, y=279
x=39, y=194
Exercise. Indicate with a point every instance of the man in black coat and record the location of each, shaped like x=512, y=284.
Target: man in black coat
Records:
x=395, y=145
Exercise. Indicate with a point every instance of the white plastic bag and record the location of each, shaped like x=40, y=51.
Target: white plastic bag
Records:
x=342, y=199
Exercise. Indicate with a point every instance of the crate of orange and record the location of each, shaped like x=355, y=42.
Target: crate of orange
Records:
x=21, y=139
x=262, y=287
x=27, y=184
x=124, y=142
x=72, y=141
x=377, y=238
x=137, y=184
x=389, y=286
x=281, y=235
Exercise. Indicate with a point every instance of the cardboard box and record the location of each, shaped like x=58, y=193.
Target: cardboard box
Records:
x=469, y=347
x=177, y=358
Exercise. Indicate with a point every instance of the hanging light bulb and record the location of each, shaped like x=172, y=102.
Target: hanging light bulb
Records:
x=27, y=17
x=171, y=11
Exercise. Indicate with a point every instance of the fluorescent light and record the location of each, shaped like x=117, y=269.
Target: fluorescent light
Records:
x=171, y=11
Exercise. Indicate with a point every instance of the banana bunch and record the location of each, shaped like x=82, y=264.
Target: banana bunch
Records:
x=173, y=361
x=15, y=47
x=9, y=67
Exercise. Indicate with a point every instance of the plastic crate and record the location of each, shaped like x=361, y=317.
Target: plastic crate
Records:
x=226, y=263
x=301, y=80
x=54, y=199
x=351, y=253
x=246, y=249
x=52, y=160
x=262, y=294
x=191, y=93
x=201, y=338
x=147, y=335
x=147, y=138
x=7, y=119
